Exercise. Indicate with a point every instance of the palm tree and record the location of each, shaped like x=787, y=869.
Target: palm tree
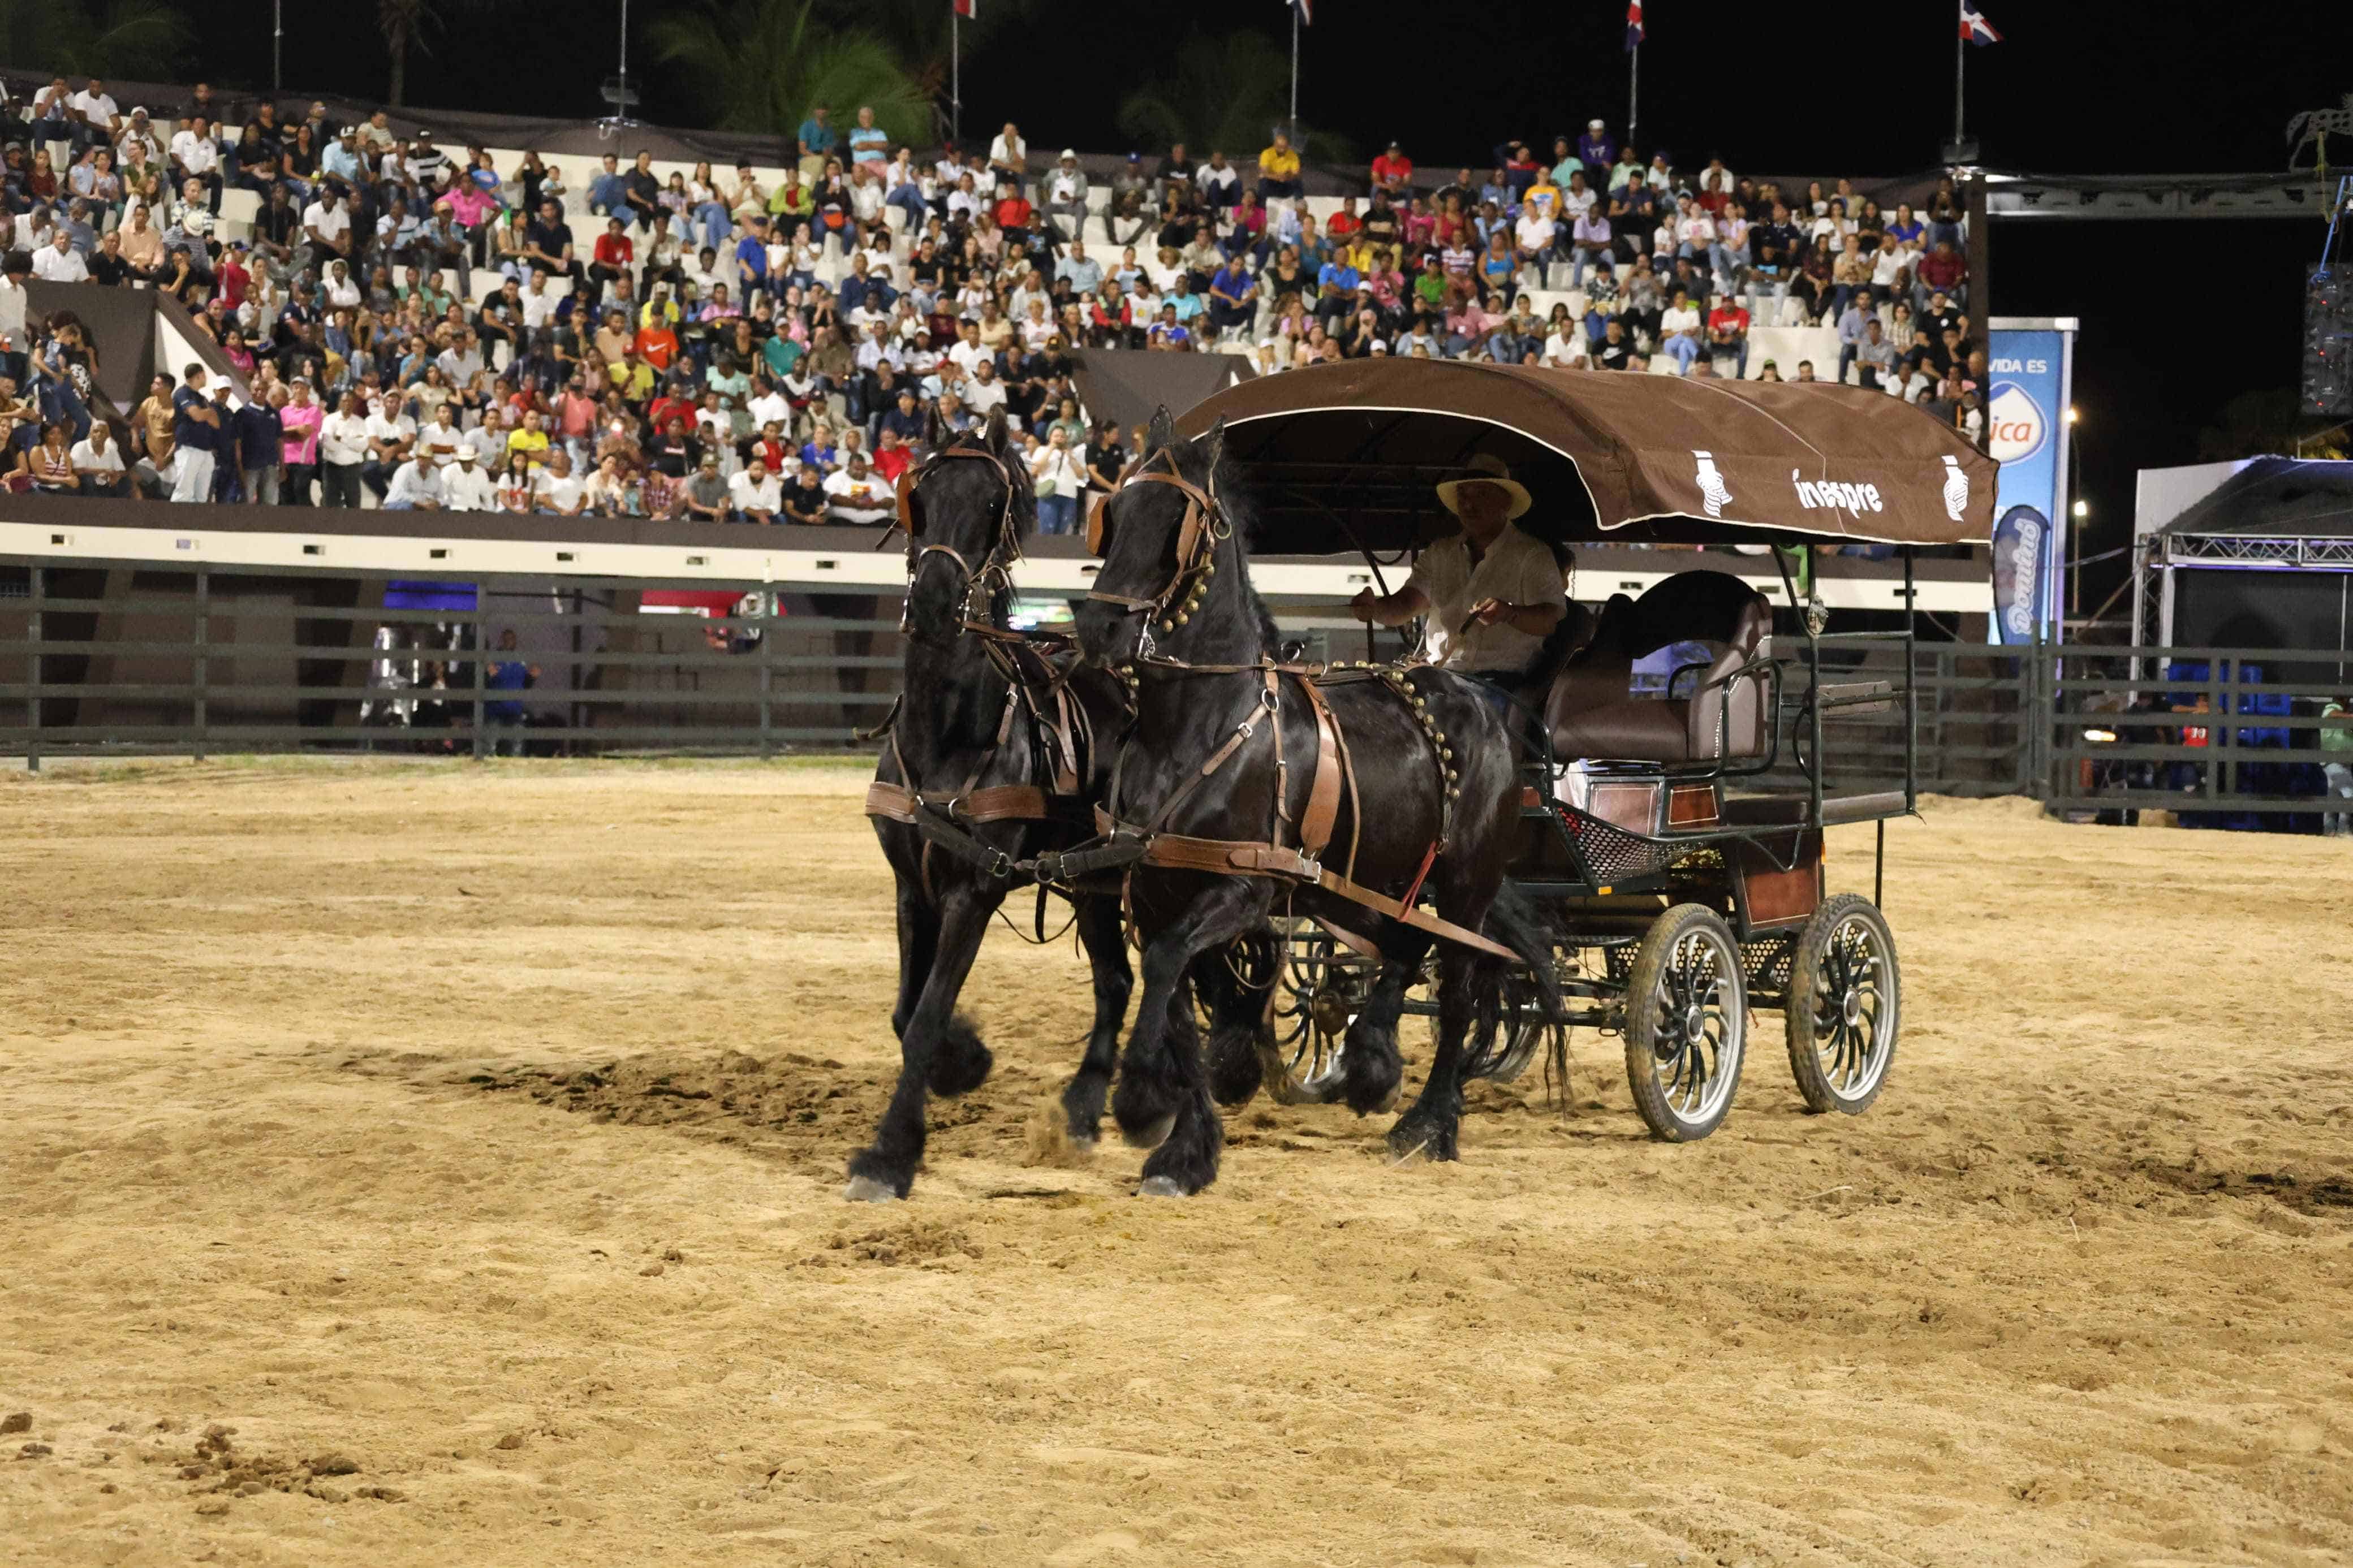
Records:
x=763, y=66
x=1225, y=94
x=142, y=40
x=404, y=24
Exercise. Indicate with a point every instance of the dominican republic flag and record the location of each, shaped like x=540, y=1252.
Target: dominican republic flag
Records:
x=1633, y=24
x=1302, y=6
x=1975, y=28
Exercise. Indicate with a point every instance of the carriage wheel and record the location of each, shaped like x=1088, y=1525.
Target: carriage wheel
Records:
x=1322, y=989
x=1686, y=1023
x=1842, y=1012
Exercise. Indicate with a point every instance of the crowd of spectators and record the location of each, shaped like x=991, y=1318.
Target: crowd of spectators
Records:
x=719, y=347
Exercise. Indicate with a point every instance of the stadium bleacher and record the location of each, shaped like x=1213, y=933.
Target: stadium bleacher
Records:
x=982, y=289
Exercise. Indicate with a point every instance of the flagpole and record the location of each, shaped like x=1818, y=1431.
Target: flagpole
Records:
x=956, y=74
x=1633, y=96
x=1960, y=57
x=1294, y=68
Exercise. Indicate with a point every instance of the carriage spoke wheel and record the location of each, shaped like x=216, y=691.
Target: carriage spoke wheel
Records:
x=1845, y=993
x=1686, y=1023
x=1521, y=1033
x=1322, y=989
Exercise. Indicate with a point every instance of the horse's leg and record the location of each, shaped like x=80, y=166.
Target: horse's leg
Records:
x=1371, y=1069
x=934, y=1042
x=1163, y=1096
x=1236, y=1016
x=1107, y=945
x=919, y=938
x=1432, y=1126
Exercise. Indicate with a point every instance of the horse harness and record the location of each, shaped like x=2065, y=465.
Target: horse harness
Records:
x=1060, y=730
x=1301, y=860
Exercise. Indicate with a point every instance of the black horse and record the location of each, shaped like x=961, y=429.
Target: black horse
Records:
x=1433, y=800
x=990, y=761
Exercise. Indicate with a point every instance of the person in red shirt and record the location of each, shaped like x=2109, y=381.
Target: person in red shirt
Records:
x=891, y=458
x=657, y=344
x=1727, y=333
x=1393, y=173
x=1012, y=212
x=615, y=252
x=1344, y=224
x=231, y=279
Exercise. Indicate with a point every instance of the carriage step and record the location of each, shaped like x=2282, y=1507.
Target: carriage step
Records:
x=1863, y=807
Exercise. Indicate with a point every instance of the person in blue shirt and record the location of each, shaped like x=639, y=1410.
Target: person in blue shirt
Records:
x=1232, y=296
x=868, y=142
x=609, y=189
x=818, y=139
x=506, y=712
x=197, y=434
x=751, y=254
x=1597, y=146
x=1336, y=283
x=1565, y=161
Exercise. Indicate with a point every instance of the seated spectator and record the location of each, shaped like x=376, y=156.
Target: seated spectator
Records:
x=755, y=495
x=1277, y=169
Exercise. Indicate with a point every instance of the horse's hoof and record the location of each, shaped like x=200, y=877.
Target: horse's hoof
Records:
x=1153, y=1136
x=1082, y=1147
x=1159, y=1187
x=866, y=1190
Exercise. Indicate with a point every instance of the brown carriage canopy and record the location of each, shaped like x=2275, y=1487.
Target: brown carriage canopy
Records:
x=1349, y=453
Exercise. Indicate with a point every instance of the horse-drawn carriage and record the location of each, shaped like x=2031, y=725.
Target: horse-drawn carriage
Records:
x=1304, y=849
x=1678, y=776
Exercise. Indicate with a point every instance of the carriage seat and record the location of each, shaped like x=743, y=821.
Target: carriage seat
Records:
x=1591, y=712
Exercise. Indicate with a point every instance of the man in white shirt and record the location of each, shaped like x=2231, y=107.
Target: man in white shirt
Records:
x=415, y=487
x=770, y=406
x=1008, y=155
x=756, y=494
x=1492, y=591
x=858, y=494
x=983, y=391
x=98, y=462
x=326, y=224
x=98, y=121
x=467, y=487
x=342, y=449
x=557, y=490
x=539, y=302
x=61, y=262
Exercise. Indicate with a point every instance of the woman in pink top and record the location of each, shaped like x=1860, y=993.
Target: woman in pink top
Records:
x=469, y=204
x=300, y=420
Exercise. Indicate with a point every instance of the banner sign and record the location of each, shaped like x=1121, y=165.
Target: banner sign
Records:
x=2026, y=432
x=2021, y=575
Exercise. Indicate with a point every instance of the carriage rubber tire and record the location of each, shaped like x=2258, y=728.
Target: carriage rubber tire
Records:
x=1642, y=1020
x=1814, y=1085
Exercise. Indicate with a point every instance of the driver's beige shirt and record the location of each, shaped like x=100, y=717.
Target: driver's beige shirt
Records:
x=1516, y=569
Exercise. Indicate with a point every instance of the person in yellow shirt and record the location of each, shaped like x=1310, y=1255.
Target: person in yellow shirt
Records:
x=660, y=307
x=634, y=377
x=1277, y=169
x=530, y=439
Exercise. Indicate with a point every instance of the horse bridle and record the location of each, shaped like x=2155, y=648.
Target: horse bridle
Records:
x=1004, y=551
x=1204, y=528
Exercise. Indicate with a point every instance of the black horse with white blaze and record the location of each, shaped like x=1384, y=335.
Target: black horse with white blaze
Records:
x=1234, y=774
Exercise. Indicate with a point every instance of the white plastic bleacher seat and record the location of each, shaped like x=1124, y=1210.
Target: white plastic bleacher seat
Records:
x=238, y=208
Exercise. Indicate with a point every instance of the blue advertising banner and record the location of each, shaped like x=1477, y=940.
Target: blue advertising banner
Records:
x=2028, y=370
x=2021, y=575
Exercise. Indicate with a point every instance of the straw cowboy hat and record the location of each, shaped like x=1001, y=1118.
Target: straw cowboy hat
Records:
x=1485, y=470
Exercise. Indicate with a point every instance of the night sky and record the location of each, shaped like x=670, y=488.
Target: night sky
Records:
x=2090, y=86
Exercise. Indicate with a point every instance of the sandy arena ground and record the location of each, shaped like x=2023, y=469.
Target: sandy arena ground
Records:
x=386, y=1183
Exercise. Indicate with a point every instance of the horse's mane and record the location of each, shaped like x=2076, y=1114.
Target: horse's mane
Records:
x=1241, y=507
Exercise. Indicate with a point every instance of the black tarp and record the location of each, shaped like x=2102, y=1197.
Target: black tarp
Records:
x=1126, y=386
x=2274, y=498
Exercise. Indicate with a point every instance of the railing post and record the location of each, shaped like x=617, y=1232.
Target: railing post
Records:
x=481, y=672
x=33, y=698
x=204, y=656
x=767, y=674
x=2218, y=727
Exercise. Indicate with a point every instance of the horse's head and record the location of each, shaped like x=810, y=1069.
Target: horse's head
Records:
x=1162, y=536
x=966, y=509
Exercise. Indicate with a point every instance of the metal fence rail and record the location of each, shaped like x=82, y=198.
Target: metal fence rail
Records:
x=114, y=659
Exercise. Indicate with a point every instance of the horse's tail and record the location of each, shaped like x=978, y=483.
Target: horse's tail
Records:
x=1516, y=921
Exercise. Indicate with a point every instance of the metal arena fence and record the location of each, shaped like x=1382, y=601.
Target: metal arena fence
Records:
x=101, y=658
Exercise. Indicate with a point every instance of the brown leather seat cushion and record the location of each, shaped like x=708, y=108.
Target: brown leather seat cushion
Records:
x=1634, y=729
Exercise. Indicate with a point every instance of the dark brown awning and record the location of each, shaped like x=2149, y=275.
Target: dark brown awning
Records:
x=1356, y=447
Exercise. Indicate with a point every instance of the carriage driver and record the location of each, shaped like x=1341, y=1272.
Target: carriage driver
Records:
x=1491, y=592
